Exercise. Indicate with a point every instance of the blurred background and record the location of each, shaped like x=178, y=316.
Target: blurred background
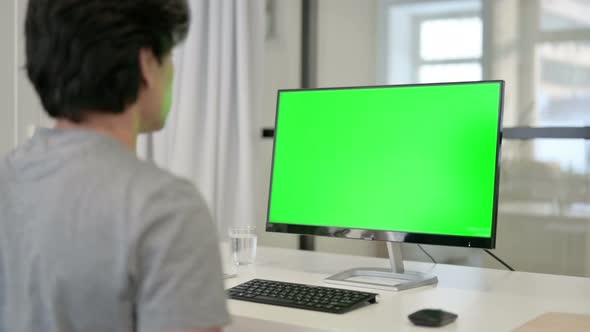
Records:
x=541, y=48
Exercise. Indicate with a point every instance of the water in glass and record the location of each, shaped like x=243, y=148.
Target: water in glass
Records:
x=243, y=247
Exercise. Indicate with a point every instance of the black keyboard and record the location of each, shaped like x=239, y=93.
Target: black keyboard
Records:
x=301, y=296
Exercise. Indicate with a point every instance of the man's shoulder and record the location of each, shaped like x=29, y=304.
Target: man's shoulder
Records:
x=141, y=181
x=152, y=182
x=141, y=172
x=149, y=193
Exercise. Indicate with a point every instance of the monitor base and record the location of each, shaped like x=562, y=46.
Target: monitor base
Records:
x=407, y=279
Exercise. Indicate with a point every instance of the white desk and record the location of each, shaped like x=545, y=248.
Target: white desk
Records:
x=484, y=299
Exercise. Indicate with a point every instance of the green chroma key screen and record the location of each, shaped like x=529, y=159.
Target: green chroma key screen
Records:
x=416, y=158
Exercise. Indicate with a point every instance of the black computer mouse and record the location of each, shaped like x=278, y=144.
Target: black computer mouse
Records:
x=432, y=317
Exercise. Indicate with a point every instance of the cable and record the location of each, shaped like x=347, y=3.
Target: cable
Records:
x=427, y=254
x=487, y=251
x=499, y=260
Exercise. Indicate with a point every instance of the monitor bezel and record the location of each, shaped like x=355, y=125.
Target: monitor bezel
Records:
x=395, y=236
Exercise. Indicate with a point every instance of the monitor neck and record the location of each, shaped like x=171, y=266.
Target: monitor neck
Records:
x=395, y=257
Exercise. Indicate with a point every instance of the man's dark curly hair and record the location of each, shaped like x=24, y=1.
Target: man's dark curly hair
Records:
x=84, y=54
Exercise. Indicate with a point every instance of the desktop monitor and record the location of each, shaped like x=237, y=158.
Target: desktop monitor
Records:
x=400, y=163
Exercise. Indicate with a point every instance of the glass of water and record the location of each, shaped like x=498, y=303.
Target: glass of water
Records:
x=243, y=244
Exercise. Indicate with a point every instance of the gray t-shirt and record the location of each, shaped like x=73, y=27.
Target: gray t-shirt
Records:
x=93, y=239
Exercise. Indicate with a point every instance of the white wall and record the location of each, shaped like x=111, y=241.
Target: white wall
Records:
x=282, y=66
x=7, y=76
x=21, y=109
x=347, y=42
x=30, y=111
x=347, y=55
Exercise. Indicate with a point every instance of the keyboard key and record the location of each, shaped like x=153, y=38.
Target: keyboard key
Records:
x=274, y=299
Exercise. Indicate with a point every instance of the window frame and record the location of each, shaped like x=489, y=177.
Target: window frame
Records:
x=536, y=36
x=533, y=35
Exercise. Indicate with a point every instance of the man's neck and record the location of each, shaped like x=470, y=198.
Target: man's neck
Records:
x=122, y=127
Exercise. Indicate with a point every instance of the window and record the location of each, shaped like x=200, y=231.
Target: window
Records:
x=443, y=58
x=541, y=48
x=432, y=41
x=564, y=15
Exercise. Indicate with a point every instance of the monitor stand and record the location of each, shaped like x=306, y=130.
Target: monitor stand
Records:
x=407, y=279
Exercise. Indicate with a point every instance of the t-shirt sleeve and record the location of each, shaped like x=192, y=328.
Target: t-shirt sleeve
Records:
x=179, y=280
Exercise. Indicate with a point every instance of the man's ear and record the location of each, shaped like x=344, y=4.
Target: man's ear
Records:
x=148, y=65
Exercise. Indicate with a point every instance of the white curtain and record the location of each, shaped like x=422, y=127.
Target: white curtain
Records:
x=209, y=136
